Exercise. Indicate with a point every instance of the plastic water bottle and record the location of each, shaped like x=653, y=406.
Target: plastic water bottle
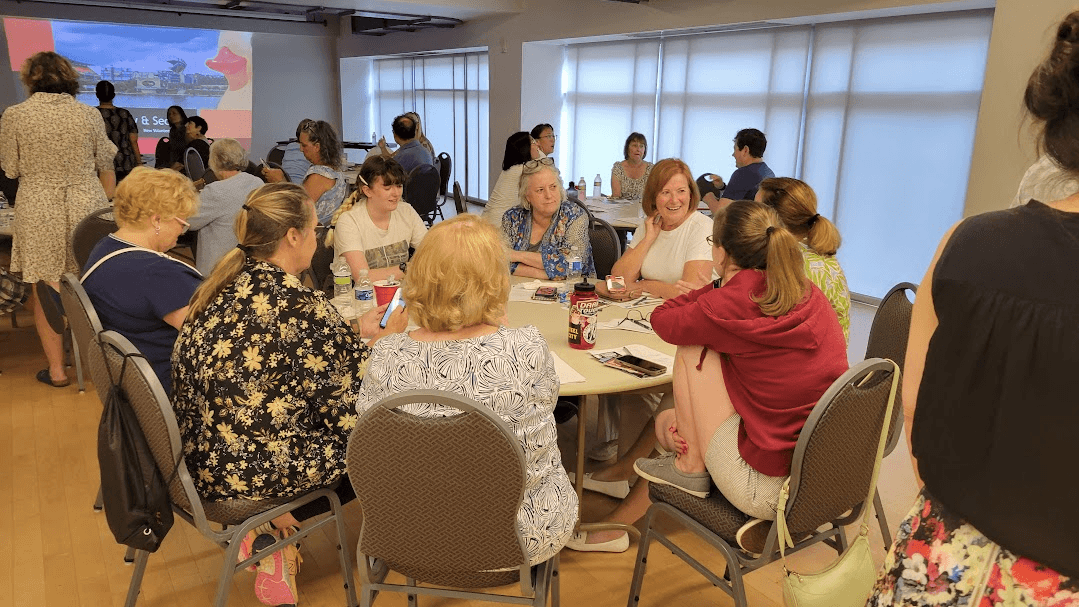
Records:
x=365, y=294
x=597, y=186
x=342, y=281
x=582, y=188
x=573, y=269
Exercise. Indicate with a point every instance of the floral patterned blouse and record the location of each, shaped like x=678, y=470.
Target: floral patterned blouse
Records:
x=264, y=383
x=632, y=189
x=568, y=229
x=826, y=273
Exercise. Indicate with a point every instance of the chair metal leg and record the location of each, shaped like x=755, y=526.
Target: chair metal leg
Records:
x=411, y=597
x=136, y=578
x=228, y=569
x=642, y=561
x=349, y=579
x=99, y=503
x=556, y=586
x=878, y=507
x=78, y=364
x=130, y=555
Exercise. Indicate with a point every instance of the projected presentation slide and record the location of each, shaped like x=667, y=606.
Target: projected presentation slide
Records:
x=206, y=72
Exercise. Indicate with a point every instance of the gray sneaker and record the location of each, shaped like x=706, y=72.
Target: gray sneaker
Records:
x=663, y=471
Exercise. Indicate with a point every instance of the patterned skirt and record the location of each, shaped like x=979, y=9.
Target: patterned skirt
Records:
x=938, y=559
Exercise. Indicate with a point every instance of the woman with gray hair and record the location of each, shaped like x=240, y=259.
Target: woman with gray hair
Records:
x=220, y=202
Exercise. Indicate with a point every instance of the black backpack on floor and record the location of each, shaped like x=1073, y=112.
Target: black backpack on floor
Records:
x=134, y=491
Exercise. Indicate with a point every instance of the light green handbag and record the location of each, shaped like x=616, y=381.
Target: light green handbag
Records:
x=849, y=580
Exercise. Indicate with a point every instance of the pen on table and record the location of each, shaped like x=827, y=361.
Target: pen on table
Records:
x=639, y=301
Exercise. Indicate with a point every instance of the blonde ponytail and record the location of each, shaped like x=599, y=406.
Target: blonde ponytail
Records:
x=755, y=238
x=796, y=204
x=264, y=219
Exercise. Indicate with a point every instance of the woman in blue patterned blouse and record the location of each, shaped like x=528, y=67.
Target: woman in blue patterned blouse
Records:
x=546, y=228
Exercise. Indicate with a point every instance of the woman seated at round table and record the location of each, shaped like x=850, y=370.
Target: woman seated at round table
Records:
x=818, y=239
x=457, y=292
x=265, y=373
x=668, y=255
x=754, y=357
x=629, y=176
x=220, y=202
x=136, y=289
x=375, y=228
x=546, y=228
x=323, y=182
x=520, y=148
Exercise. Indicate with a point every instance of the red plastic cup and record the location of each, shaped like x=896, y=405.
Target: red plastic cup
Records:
x=384, y=291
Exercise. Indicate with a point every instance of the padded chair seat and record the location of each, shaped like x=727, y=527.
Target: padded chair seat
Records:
x=460, y=579
x=714, y=511
x=236, y=511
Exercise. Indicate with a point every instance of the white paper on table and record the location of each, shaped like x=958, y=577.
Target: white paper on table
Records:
x=624, y=325
x=566, y=373
x=532, y=285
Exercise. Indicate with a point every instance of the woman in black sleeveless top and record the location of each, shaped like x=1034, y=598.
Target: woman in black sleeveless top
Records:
x=990, y=389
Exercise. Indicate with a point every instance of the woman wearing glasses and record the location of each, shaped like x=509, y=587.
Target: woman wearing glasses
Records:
x=629, y=176
x=137, y=290
x=545, y=138
x=546, y=228
x=520, y=148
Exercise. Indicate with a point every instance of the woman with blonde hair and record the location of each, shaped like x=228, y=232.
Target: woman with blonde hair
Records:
x=818, y=239
x=754, y=356
x=265, y=373
x=457, y=291
x=59, y=151
x=375, y=228
x=137, y=290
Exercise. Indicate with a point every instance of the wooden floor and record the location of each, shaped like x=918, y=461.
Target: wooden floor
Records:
x=54, y=550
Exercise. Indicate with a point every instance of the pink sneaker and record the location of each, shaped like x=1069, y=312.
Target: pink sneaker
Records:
x=249, y=539
x=275, y=583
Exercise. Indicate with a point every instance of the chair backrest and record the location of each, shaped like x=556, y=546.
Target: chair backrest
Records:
x=193, y=164
x=85, y=326
x=162, y=158
x=156, y=418
x=459, y=199
x=445, y=167
x=321, y=275
x=421, y=191
x=275, y=155
x=834, y=455
x=89, y=232
x=606, y=248
x=888, y=339
x=439, y=495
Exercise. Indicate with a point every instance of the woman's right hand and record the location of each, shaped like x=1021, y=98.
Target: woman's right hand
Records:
x=398, y=321
x=273, y=175
x=652, y=227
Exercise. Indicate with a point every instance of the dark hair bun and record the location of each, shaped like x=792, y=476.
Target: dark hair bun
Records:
x=105, y=91
x=1052, y=96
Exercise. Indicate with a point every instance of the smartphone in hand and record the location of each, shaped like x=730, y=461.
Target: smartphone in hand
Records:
x=395, y=303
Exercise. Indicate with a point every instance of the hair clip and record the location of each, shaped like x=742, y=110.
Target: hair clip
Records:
x=768, y=232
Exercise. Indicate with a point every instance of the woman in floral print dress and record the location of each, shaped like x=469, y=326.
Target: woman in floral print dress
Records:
x=989, y=391
x=266, y=371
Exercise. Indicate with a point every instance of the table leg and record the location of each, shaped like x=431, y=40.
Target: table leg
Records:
x=582, y=412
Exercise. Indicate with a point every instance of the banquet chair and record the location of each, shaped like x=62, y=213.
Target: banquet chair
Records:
x=193, y=164
x=830, y=475
x=54, y=314
x=85, y=327
x=161, y=154
x=421, y=191
x=236, y=517
x=888, y=339
x=606, y=248
x=459, y=199
x=319, y=271
x=275, y=155
x=89, y=232
x=440, y=498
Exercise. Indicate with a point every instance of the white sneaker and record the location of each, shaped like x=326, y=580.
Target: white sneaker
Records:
x=617, y=489
x=579, y=542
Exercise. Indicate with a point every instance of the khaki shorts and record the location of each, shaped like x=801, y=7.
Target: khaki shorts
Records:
x=746, y=489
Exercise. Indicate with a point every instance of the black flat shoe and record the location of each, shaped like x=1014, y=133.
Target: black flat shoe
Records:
x=44, y=377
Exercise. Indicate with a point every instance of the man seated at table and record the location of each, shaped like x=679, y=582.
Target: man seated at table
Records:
x=293, y=161
x=411, y=153
x=748, y=155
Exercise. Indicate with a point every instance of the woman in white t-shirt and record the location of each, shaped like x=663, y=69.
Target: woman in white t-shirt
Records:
x=520, y=148
x=374, y=228
x=669, y=255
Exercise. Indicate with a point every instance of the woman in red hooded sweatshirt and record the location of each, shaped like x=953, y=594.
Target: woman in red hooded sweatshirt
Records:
x=754, y=356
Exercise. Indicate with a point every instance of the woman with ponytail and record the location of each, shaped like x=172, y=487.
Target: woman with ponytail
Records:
x=265, y=375
x=989, y=388
x=818, y=239
x=375, y=228
x=754, y=356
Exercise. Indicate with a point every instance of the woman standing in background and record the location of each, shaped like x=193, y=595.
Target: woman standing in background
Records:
x=122, y=129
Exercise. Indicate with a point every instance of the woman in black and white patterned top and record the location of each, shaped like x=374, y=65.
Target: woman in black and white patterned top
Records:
x=462, y=346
